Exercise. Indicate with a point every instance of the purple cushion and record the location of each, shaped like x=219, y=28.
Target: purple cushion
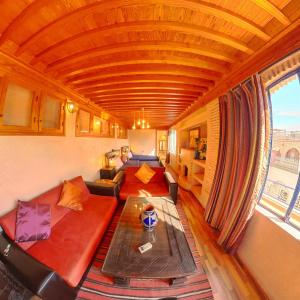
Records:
x=33, y=221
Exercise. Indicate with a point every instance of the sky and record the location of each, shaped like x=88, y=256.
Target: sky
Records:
x=286, y=106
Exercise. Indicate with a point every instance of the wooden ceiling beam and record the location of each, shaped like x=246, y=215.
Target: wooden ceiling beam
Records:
x=145, y=69
x=139, y=91
x=143, y=78
x=162, y=102
x=157, y=105
x=141, y=26
x=149, y=113
x=138, y=46
x=139, y=85
x=285, y=42
x=143, y=95
x=146, y=98
x=271, y=9
x=82, y=12
x=30, y=10
x=89, y=66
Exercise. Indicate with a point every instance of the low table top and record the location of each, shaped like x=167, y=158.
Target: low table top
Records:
x=170, y=256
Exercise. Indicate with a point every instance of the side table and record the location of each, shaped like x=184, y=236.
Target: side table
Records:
x=107, y=173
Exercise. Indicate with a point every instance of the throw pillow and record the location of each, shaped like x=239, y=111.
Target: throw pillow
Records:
x=145, y=173
x=124, y=158
x=33, y=221
x=129, y=154
x=118, y=162
x=71, y=196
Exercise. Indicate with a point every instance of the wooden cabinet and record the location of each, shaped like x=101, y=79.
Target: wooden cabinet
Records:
x=18, y=107
x=96, y=125
x=104, y=128
x=84, y=124
x=122, y=132
x=93, y=125
x=51, y=116
x=24, y=109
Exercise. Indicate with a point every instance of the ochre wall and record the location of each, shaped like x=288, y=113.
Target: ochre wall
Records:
x=142, y=141
x=271, y=254
x=31, y=165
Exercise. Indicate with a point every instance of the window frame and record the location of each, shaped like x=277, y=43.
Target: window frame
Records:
x=32, y=128
x=171, y=141
x=291, y=206
x=62, y=102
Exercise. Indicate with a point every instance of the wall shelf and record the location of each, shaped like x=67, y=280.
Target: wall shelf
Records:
x=198, y=162
x=199, y=177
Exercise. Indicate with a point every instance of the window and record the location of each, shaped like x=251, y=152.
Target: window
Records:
x=26, y=109
x=281, y=191
x=84, y=121
x=172, y=141
x=18, y=107
x=51, y=118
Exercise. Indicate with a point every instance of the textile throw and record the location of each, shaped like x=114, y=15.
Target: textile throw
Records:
x=242, y=161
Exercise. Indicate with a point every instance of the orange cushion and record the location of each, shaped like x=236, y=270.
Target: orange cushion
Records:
x=144, y=173
x=71, y=196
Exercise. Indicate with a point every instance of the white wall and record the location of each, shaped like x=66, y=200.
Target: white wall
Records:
x=31, y=165
x=272, y=255
x=142, y=141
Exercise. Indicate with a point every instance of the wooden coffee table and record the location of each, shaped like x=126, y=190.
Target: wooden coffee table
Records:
x=170, y=256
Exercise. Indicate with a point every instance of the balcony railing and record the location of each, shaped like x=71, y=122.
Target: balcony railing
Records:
x=281, y=193
x=286, y=164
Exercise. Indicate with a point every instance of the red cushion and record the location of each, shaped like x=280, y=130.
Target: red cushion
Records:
x=75, y=238
x=139, y=189
x=131, y=178
x=8, y=221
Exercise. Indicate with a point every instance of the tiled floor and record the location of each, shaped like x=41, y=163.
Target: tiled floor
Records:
x=228, y=279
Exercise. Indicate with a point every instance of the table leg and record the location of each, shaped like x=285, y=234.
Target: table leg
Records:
x=120, y=281
x=176, y=281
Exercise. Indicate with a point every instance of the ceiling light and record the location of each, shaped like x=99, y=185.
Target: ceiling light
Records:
x=141, y=122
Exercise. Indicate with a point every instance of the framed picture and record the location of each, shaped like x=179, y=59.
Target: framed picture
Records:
x=193, y=135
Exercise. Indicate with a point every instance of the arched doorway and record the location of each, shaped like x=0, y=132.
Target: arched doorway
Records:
x=293, y=155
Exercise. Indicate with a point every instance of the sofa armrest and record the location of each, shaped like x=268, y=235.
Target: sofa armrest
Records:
x=37, y=277
x=102, y=189
x=118, y=179
x=173, y=186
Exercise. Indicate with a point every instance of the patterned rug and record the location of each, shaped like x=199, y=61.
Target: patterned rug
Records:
x=99, y=286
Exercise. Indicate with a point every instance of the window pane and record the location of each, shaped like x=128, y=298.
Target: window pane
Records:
x=172, y=141
x=295, y=216
x=51, y=112
x=284, y=164
x=84, y=121
x=104, y=127
x=17, y=106
x=97, y=125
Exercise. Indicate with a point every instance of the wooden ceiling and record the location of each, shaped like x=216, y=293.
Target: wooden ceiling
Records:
x=163, y=55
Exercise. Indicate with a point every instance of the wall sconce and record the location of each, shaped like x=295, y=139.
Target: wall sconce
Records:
x=71, y=107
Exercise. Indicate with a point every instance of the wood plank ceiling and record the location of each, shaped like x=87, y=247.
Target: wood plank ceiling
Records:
x=163, y=55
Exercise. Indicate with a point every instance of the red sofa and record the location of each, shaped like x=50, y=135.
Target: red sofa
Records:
x=161, y=184
x=75, y=235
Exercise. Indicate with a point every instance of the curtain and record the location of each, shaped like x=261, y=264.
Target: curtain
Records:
x=242, y=162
